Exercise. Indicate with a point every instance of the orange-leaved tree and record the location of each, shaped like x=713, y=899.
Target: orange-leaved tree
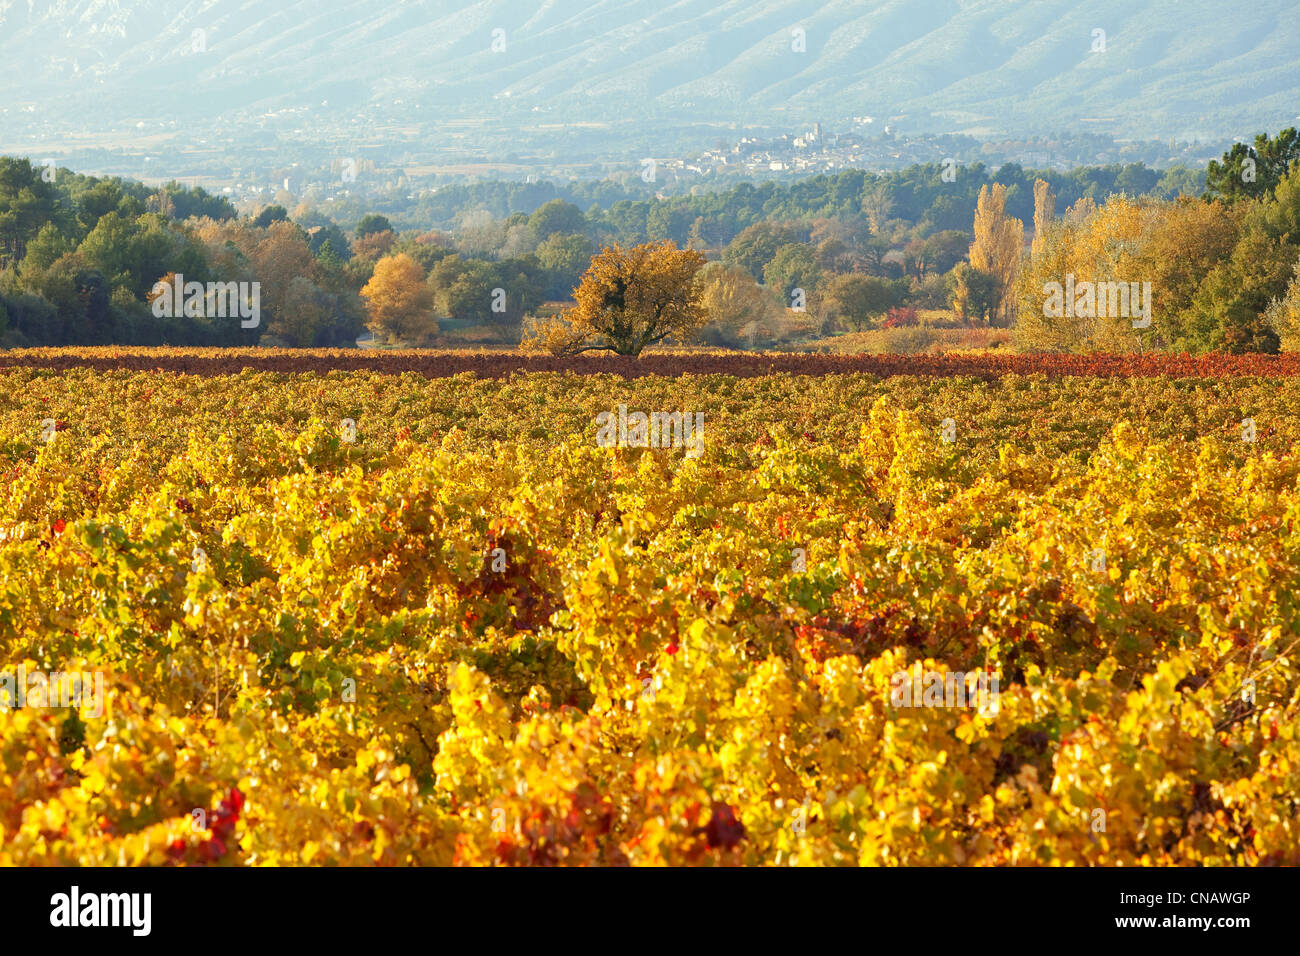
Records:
x=629, y=299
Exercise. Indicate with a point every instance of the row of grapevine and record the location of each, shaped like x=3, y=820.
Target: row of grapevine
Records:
x=358, y=619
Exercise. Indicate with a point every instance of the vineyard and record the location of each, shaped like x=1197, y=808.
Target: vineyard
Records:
x=359, y=611
x=504, y=362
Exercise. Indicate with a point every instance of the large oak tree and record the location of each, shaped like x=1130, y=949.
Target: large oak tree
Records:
x=629, y=299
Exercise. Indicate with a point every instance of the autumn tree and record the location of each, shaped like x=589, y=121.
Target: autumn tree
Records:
x=1180, y=252
x=629, y=299
x=374, y=245
x=999, y=243
x=1186, y=240
x=1103, y=247
x=399, y=305
x=736, y=307
x=1283, y=314
x=231, y=248
x=280, y=256
x=1044, y=213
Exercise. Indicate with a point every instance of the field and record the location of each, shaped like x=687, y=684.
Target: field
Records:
x=402, y=608
x=502, y=361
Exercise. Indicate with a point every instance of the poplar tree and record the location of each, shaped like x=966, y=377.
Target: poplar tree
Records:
x=999, y=243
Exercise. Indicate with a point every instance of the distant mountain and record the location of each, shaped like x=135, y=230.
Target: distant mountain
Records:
x=1162, y=68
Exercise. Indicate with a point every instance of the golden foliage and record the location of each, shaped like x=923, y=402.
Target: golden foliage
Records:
x=399, y=303
x=999, y=243
x=629, y=299
x=1044, y=212
x=1171, y=245
x=655, y=674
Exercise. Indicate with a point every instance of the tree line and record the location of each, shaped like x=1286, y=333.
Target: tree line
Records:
x=80, y=256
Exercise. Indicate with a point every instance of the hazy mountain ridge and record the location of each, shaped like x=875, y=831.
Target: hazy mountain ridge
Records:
x=1181, y=68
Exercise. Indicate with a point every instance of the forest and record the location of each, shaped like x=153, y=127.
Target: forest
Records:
x=931, y=246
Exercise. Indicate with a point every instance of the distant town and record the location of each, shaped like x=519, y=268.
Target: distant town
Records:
x=346, y=164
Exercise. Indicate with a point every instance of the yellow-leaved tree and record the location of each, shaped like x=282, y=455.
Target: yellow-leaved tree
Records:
x=1283, y=314
x=736, y=307
x=629, y=299
x=999, y=243
x=399, y=304
x=1044, y=213
x=1103, y=247
x=1159, y=250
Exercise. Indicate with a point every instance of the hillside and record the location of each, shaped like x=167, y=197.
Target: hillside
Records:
x=329, y=68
